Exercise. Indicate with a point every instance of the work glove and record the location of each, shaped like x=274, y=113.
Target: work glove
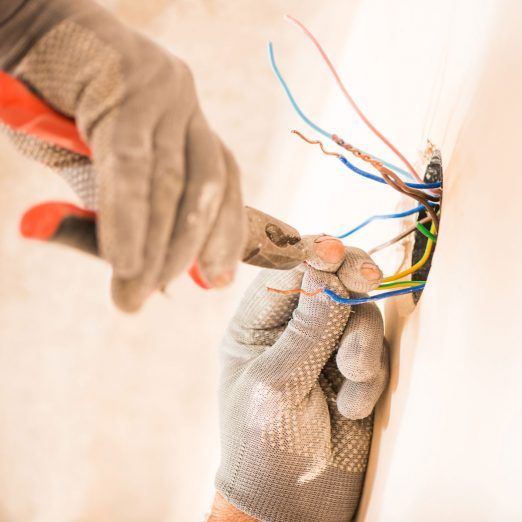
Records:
x=300, y=377
x=165, y=188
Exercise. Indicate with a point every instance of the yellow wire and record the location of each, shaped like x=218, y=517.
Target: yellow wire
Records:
x=419, y=264
x=399, y=283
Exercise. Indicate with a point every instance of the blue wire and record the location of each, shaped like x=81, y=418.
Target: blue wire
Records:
x=368, y=175
x=309, y=122
x=338, y=299
x=382, y=216
x=289, y=94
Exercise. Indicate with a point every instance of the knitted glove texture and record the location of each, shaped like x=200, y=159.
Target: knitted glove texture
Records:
x=166, y=189
x=301, y=376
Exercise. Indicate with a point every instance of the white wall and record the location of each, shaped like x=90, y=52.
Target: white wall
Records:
x=447, y=444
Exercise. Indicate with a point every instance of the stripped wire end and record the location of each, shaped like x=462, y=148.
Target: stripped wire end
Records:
x=349, y=98
x=305, y=118
x=357, y=152
x=316, y=142
x=295, y=291
x=361, y=155
x=414, y=286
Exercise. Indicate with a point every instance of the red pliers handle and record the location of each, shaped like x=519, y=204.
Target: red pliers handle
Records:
x=23, y=111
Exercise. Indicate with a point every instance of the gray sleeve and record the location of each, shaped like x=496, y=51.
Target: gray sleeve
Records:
x=10, y=9
x=23, y=22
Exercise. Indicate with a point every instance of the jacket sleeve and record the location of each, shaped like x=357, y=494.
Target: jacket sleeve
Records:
x=23, y=22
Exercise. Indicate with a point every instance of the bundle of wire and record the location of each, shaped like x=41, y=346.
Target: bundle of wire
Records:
x=427, y=194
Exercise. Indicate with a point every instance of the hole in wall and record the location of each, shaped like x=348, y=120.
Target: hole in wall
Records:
x=433, y=174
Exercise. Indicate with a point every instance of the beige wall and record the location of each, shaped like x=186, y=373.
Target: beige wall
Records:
x=448, y=432
x=106, y=417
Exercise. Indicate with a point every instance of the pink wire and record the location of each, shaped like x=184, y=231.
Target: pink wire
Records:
x=350, y=99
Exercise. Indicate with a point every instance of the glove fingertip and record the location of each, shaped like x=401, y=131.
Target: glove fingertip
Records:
x=347, y=410
x=215, y=276
x=127, y=295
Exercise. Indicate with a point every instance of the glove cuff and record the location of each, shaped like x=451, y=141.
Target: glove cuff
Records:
x=276, y=488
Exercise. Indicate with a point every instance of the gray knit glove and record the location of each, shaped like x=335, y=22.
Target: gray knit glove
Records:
x=165, y=187
x=301, y=376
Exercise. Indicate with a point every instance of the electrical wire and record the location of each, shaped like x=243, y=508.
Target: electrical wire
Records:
x=393, y=180
x=316, y=142
x=295, y=291
x=387, y=282
x=419, y=264
x=361, y=300
x=386, y=173
x=400, y=283
x=415, y=286
x=351, y=101
x=423, y=230
x=397, y=238
x=289, y=95
x=308, y=121
x=356, y=169
x=369, y=175
x=390, y=177
x=379, y=217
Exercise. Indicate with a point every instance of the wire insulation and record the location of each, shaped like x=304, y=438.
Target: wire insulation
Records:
x=400, y=283
x=393, y=180
x=379, y=217
x=369, y=175
x=423, y=230
x=343, y=300
x=416, y=286
x=289, y=95
x=348, y=96
x=356, y=169
x=397, y=238
x=419, y=264
x=308, y=121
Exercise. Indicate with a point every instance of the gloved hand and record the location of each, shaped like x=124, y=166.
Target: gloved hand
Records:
x=300, y=378
x=165, y=188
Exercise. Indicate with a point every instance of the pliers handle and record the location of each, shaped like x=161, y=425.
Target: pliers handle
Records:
x=57, y=221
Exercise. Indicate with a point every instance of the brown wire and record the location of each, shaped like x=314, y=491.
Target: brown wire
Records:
x=429, y=209
x=365, y=157
x=381, y=168
x=398, y=181
x=372, y=161
x=393, y=180
x=396, y=239
x=389, y=177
